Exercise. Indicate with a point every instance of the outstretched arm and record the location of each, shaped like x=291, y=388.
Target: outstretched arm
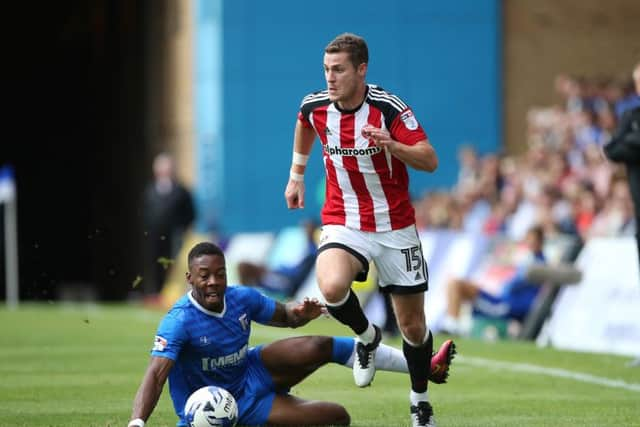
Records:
x=302, y=142
x=294, y=314
x=150, y=389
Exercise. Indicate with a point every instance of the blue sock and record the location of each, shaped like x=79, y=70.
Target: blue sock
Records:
x=342, y=349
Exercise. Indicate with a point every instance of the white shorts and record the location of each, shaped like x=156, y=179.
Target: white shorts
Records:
x=397, y=255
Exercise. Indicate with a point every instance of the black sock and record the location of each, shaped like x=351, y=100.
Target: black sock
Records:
x=419, y=363
x=350, y=313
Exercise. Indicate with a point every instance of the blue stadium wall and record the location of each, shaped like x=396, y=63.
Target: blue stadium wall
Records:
x=255, y=60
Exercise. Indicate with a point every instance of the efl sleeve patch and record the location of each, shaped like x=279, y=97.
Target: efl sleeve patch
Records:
x=406, y=129
x=159, y=343
x=409, y=120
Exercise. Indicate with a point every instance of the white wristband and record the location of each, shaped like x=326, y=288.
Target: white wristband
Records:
x=298, y=177
x=136, y=423
x=299, y=159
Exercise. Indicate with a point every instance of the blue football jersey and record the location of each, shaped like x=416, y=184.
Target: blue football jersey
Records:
x=210, y=348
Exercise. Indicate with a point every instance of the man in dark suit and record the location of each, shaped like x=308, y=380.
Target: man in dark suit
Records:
x=624, y=147
x=168, y=212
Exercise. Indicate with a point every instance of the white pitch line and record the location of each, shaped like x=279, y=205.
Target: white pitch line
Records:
x=552, y=372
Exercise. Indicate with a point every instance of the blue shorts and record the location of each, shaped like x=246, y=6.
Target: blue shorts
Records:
x=511, y=307
x=256, y=400
x=259, y=391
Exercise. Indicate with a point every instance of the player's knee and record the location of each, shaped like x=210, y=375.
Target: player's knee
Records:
x=341, y=417
x=320, y=345
x=335, y=278
x=333, y=289
x=411, y=323
x=414, y=333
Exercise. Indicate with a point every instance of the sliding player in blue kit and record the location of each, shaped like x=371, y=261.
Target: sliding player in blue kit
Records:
x=203, y=340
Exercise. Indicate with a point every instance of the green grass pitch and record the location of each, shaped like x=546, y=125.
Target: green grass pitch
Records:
x=76, y=365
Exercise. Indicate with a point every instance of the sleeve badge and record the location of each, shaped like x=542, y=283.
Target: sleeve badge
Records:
x=159, y=343
x=409, y=120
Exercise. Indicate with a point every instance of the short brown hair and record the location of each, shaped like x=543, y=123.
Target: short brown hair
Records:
x=354, y=45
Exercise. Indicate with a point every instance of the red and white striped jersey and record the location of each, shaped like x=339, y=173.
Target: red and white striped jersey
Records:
x=367, y=188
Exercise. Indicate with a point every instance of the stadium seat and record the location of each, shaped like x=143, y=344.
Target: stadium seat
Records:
x=553, y=278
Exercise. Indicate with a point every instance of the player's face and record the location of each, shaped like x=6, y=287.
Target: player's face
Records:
x=208, y=278
x=343, y=79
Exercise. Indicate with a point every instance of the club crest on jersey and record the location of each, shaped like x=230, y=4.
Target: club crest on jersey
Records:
x=204, y=340
x=243, y=321
x=409, y=120
x=327, y=131
x=159, y=343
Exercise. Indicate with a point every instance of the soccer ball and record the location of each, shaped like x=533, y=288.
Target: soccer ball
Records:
x=211, y=406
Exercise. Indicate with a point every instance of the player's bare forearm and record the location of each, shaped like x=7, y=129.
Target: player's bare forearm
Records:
x=294, y=314
x=151, y=387
x=145, y=401
x=303, y=138
x=302, y=142
x=420, y=156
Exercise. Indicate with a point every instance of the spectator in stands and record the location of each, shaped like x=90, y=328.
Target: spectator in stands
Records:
x=554, y=212
x=515, y=301
x=607, y=120
x=616, y=216
x=469, y=171
x=564, y=154
x=571, y=90
x=282, y=282
x=597, y=171
x=585, y=210
x=168, y=212
x=496, y=221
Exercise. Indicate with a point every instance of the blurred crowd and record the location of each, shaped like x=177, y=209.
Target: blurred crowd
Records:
x=561, y=181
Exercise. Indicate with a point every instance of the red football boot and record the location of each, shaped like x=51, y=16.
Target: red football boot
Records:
x=441, y=361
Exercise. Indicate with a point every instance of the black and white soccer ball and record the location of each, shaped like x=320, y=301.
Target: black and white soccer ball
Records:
x=211, y=406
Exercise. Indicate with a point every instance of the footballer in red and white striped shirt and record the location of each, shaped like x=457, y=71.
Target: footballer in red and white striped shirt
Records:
x=367, y=187
x=369, y=137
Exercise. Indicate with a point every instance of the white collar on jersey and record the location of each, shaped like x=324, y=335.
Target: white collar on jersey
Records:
x=204, y=310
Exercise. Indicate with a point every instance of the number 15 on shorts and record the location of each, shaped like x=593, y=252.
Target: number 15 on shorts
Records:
x=413, y=258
